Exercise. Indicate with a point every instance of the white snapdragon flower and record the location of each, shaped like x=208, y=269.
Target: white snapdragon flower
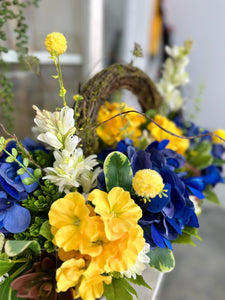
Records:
x=140, y=265
x=174, y=75
x=54, y=128
x=70, y=168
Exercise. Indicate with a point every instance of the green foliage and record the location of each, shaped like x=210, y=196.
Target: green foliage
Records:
x=139, y=281
x=8, y=13
x=39, y=202
x=161, y=259
x=118, y=172
x=42, y=158
x=210, y=195
x=200, y=156
x=119, y=289
x=6, y=292
x=187, y=234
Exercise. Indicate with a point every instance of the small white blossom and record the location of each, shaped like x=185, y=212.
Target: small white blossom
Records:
x=54, y=128
x=3, y=278
x=140, y=265
x=70, y=168
x=2, y=240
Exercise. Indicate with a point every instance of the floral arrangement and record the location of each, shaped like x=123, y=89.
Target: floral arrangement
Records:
x=81, y=223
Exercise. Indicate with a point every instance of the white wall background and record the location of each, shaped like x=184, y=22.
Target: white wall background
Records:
x=204, y=22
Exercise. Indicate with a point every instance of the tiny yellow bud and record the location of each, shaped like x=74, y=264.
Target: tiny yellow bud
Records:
x=78, y=97
x=221, y=133
x=55, y=44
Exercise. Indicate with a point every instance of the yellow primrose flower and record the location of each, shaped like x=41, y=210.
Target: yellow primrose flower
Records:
x=56, y=43
x=147, y=183
x=177, y=144
x=221, y=133
x=118, y=128
x=117, y=210
x=69, y=273
x=129, y=247
x=91, y=288
x=69, y=217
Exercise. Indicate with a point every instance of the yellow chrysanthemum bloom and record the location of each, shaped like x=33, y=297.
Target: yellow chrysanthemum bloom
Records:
x=147, y=183
x=117, y=210
x=56, y=43
x=69, y=217
x=221, y=133
x=127, y=125
x=177, y=144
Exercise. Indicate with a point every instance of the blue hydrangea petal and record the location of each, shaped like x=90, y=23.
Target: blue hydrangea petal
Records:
x=30, y=187
x=17, y=219
x=158, y=203
x=9, y=189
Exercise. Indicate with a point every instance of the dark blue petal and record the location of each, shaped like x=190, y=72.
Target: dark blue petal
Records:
x=196, y=192
x=101, y=181
x=140, y=161
x=174, y=224
x=17, y=219
x=169, y=210
x=158, y=203
x=157, y=238
x=168, y=244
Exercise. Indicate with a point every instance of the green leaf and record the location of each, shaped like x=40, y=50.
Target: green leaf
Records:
x=28, y=180
x=45, y=231
x=6, y=292
x=14, y=152
x=161, y=259
x=2, y=140
x=118, y=172
x=37, y=173
x=21, y=171
x=192, y=231
x=119, y=289
x=25, y=162
x=13, y=247
x=5, y=266
x=10, y=159
x=139, y=281
x=211, y=195
x=185, y=238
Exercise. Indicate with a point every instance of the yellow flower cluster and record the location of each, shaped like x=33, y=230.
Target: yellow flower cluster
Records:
x=95, y=240
x=56, y=43
x=127, y=125
x=221, y=133
x=147, y=183
x=177, y=144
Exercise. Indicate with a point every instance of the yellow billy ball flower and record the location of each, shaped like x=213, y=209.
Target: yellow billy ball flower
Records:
x=56, y=43
x=147, y=183
x=221, y=133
